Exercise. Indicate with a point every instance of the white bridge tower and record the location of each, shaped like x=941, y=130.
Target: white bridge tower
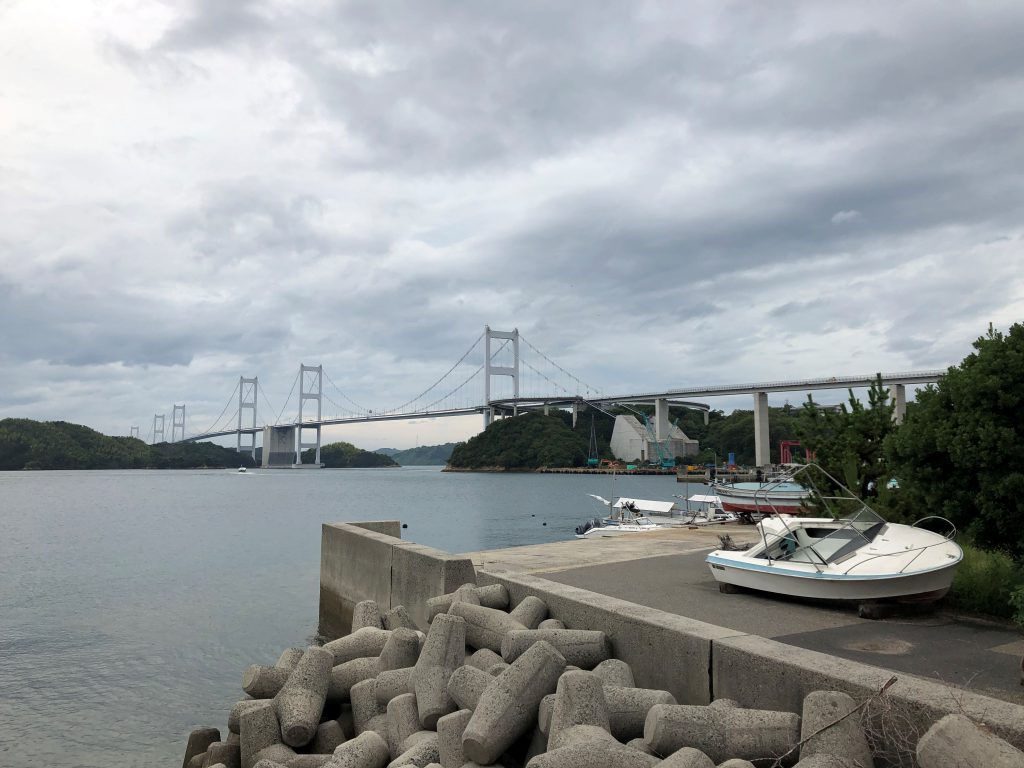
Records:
x=499, y=370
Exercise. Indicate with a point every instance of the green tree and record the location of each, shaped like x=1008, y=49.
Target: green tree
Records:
x=960, y=452
x=849, y=441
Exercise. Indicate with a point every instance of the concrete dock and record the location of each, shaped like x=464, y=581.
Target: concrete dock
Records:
x=666, y=570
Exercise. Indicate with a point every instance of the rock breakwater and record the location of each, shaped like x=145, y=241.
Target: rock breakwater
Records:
x=494, y=684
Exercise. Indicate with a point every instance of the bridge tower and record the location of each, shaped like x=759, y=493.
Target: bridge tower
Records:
x=134, y=432
x=499, y=370
x=311, y=387
x=178, y=423
x=247, y=390
x=158, y=428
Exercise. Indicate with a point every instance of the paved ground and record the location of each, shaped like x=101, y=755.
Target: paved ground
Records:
x=668, y=573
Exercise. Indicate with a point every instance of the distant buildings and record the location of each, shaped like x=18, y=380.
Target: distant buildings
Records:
x=631, y=441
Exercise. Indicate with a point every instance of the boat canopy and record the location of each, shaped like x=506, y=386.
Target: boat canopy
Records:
x=646, y=505
x=703, y=498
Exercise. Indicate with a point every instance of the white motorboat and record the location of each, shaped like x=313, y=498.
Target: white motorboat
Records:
x=625, y=516
x=780, y=496
x=855, y=555
x=704, y=509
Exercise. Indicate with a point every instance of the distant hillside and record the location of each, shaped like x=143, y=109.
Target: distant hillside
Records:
x=424, y=455
x=28, y=444
x=342, y=455
x=525, y=442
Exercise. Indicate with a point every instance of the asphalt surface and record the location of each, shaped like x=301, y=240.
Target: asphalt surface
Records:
x=980, y=657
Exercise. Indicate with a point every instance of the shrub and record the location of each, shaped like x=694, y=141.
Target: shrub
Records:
x=988, y=582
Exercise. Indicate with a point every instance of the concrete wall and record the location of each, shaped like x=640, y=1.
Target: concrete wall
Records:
x=765, y=674
x=278, y=446
x=666, y=652
x=368, y=561
x=695, y=661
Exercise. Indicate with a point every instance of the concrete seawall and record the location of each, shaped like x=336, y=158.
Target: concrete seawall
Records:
x=369, y=561
x=695, y=661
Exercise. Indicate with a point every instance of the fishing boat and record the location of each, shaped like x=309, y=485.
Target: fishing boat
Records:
x=852, y=555
x=625, y=516
x=781, y=496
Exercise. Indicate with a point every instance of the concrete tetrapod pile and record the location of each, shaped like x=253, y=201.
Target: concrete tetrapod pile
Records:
x=491, y=686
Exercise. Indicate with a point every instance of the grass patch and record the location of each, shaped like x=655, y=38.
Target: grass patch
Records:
x=986, y=582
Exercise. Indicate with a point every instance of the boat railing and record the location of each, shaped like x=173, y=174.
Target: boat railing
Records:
x=952, y=527
x=918, y=550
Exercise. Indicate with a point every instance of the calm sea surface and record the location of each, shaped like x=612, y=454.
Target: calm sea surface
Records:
x=131, y=602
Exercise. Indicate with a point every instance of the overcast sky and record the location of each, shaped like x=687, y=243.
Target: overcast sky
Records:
x=655, y=194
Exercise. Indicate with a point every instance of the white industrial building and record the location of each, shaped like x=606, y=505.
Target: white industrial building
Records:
x=631, y=441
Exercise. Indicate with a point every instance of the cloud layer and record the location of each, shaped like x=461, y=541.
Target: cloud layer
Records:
x=654, y=194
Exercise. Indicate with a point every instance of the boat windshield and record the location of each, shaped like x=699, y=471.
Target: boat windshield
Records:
x=825, y=545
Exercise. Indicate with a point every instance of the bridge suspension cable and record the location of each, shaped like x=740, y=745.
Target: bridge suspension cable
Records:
x=400, y=408
x=361, y=410
x=287, y=400
x=266, y=400
x=589, y=389
x=231, y=399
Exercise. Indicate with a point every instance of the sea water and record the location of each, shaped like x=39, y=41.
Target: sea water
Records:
x=131, y=601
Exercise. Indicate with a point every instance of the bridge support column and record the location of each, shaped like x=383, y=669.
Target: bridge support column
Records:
x=158, y=428
x=661, y=426
x=178, y=423
x=311, y=387
x=762, y=446
x=575, y=412
x=706, y=418
x=247, y=390
x=898, y=393
x=500, y=370
x=547, y=410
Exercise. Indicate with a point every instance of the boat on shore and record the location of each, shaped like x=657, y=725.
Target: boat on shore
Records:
x=855, y=555
x=624, y=516
x=775, y=497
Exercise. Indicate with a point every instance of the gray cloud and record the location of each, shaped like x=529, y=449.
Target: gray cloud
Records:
x=655, y=195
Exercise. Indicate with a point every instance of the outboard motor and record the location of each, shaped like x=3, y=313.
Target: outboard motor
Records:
x=584, y=527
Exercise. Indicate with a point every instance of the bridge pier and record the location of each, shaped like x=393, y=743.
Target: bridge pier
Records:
x=178, y=423
x=762, y=444
x=311, y=387
x=898, y=393
x=247, y=390
x=661, y=425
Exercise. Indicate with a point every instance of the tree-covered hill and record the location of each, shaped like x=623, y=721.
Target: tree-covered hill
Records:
x=345, y=455
x=424, y=455
x=524, y=442
x=29, y=444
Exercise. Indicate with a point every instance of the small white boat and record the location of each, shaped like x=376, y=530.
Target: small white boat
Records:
x=855, y=555
x=625, y=516
x=706, y=509
x=241, y=469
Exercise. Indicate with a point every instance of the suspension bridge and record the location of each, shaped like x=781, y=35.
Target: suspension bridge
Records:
x=501, y=374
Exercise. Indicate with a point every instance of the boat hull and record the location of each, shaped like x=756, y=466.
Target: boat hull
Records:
x=763, y=498
x=922, y=586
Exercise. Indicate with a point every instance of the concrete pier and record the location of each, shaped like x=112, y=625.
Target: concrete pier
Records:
x=655, y=600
